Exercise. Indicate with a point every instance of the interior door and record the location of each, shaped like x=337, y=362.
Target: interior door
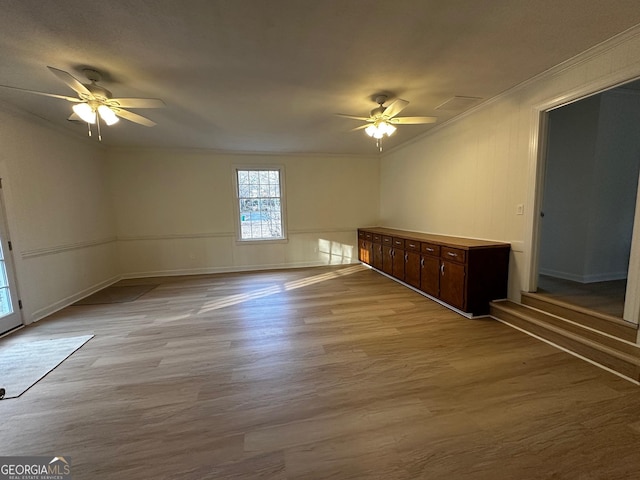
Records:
x=10, y=314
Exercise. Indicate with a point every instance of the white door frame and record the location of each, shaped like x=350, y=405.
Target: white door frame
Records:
x=536, y=170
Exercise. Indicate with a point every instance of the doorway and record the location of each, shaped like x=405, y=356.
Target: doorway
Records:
x=10, y=313
x=588, y=200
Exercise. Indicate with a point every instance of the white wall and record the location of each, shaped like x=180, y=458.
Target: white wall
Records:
x=467, y=177
x=58, y=211
x=175, y=211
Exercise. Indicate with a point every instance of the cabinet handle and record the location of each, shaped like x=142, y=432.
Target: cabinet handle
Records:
x=442, y=268
x=430, y=250
x=412, y=245
x=422, y=262
x=406, y=257
x=392, y=253
x=451, y=254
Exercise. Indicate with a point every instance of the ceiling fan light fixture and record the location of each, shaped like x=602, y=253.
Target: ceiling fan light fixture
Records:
x=85, y=112
x=382, y=120
x=107, y=115
x=380, y=129
x=371, y=130
x=389, y=129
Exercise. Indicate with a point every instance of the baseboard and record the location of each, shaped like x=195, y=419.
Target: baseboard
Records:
x=71, y=299
x=591, y=278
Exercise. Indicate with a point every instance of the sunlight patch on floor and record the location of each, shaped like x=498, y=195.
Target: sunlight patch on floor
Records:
x=231, y=300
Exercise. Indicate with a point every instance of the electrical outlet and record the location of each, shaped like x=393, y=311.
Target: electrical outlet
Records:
x=520, y=209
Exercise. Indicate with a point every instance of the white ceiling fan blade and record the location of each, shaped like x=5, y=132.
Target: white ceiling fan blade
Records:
x=364, y=119
x=136, y=103
x=134, y=117
x=395, y=107
x=70, y=81
x=413, y=120
x=63, y=97
x=358, y=128
x=74, y=117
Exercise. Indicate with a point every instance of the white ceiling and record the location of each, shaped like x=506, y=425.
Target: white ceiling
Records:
x=268, y=75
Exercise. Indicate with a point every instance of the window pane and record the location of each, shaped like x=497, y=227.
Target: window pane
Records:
x=5, y=302
x=3, y=274
x=243, y=190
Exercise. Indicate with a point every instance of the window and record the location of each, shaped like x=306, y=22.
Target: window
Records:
x=260, y=202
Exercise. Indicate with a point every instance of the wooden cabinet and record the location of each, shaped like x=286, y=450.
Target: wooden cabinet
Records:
x=463, y=273
x=387, y=255
x=412, y=263
x=430, y=269
x=376, y=255
x=364, y=248
x=453, y=283
x=453, y=276
x=397, y=269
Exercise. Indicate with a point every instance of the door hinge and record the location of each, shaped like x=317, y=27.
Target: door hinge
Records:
x=20, y=304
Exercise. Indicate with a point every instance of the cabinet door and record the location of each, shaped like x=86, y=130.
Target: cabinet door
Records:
x=398, y=264
x=376, y=256
x=412, y=268
x=452, y=284
x=430, y=275
x=387, y=259
x=364, y=251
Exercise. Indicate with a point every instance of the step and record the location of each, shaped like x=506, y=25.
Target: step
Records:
x=589, y=318
x=601, y=348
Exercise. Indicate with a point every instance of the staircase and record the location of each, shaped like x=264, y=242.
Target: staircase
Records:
x=602, y=339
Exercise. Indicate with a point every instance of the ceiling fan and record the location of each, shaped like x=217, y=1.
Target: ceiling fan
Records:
x=95, y=103
x=383, y=120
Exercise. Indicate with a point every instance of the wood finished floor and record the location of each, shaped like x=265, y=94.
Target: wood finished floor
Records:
x=332, y=372
x=603, y=297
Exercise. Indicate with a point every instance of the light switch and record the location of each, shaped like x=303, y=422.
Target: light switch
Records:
x=520, y=209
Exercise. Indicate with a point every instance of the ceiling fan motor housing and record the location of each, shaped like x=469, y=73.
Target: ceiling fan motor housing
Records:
x=379, y=110
x=100, y=93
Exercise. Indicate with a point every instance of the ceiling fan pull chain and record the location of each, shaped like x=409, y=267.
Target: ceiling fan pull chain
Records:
x=98, y=124
x=89, y=125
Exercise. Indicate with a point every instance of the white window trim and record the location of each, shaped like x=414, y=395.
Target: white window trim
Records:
x=236, y=203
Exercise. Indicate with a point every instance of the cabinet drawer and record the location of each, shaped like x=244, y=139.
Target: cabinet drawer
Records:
x=412, y=245
x=368, y=235
x=387, y=240
x=431, y=249
x=377, y=238
x=453, y=254
x=398, y=242
x=361, y=233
